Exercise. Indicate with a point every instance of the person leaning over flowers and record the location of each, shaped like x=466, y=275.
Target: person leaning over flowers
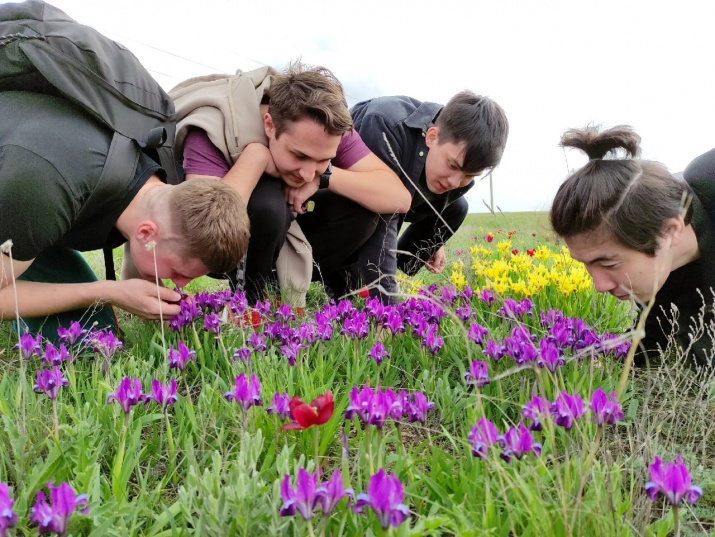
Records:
x=55, y=204
x=643, y=233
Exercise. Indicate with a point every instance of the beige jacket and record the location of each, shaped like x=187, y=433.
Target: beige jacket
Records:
x=227, y=108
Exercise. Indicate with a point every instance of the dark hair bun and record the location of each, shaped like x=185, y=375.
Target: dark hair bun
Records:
x=598, y=144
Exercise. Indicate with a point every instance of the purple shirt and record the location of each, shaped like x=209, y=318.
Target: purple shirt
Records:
x=201, y=157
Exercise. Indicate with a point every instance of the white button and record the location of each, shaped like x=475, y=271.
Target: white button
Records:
x=423, y=135
x=422, y=153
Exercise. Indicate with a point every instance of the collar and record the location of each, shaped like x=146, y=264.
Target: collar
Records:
x=424, y=116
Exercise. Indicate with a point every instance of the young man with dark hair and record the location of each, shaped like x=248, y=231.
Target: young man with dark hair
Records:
x=297, y=144
x=437, y=151
x=55, y=202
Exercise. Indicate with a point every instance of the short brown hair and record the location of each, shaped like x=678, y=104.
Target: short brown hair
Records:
x=626, y=199
x=480, y=124
x=210, y=221
x=308, y=92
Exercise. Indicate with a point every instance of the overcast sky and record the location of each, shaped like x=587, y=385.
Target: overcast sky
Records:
x=551, y=65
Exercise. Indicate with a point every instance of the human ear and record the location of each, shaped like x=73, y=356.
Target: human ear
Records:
x=674, y=229
x=432, y=136
x=268, y=125
x=146, y=232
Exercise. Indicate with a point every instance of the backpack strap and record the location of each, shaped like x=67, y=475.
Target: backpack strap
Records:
x=122, y=159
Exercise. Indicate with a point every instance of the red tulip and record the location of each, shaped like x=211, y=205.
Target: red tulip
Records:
x=364, y=292
x=318, y=412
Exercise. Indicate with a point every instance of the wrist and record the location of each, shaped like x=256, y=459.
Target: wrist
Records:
x=325, y=177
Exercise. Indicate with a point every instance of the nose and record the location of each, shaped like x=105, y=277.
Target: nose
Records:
x=180, y=282
x=307, y=172
x=601, y=281
x=454, y=179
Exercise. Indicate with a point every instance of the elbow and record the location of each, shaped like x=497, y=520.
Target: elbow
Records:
x=404, y=201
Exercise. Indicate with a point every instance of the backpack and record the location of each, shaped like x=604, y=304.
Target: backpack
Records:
x=44, y=51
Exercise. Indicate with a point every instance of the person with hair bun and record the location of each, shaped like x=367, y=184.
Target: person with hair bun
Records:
x=643, y=233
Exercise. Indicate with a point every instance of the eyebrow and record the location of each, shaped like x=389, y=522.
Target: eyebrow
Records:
x=300, y=154
x=601, y=258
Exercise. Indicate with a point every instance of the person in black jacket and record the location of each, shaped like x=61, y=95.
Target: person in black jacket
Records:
x=437, y=151
x=644, y=234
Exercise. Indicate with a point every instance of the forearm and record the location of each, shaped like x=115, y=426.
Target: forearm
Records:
x=379, y=190
x=37, y=299
x=243, y=176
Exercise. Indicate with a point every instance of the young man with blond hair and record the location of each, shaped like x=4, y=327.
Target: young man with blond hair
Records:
x=55, y=203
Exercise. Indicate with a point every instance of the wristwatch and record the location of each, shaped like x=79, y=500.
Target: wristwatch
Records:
x=325, y=176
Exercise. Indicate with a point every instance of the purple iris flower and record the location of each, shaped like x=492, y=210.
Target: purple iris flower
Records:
x=360, y=403
x=243, y=354
x=257, y=342
x=357, y=326
x=273, y=330
x=509, y=309
x=494, y=350
x=323, y=327
x=467, y=292
x=385, y=496
x=549, y=356
x=280, y=406
x=72, y=334
x=376, y=309
x=551, y=317
x=567, y=409
x=447, y=295
x=464, y=313
x=302, y=498
x=212, y=323
x=285, y=313
x=419, y=325
x=55, y=356
x=379, y=409
x=393, y=322
x=163, y=395
x=179, y=358
x=305, y=333
x=673, y=481
x=105, y=343
x=8, y=517
x=238, y=303
x=419, y=406
x=55, y=518
x=345, y=309
x=535, y=410
x=605, y=410
x=478, y=374
x=49, y=382
x=487, y=297
x=482, y=437
x=329, y=493
x=378, y=353
x=246, y=392
x=264, y=308
x=477, y=332
x=291, y=350
x=433, y=341
x=128, y=394
x=29, y=345
x=400, y=404
x=517, y=443
x=613, y=343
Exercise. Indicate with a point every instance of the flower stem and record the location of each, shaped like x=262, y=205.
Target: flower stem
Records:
x=57, y=423
x=676, y=521
x=379, y=448
x=309, y=523
x=368, y=436
x=317, y=449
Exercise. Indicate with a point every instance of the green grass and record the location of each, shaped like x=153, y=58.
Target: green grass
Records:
x=206, y=468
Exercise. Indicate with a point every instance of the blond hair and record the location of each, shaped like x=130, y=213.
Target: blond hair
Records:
x=209, y=222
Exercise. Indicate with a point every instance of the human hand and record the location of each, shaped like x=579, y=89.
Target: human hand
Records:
x=296, y=197
x=436, y=263
x=142, y=298
x=260, y=153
